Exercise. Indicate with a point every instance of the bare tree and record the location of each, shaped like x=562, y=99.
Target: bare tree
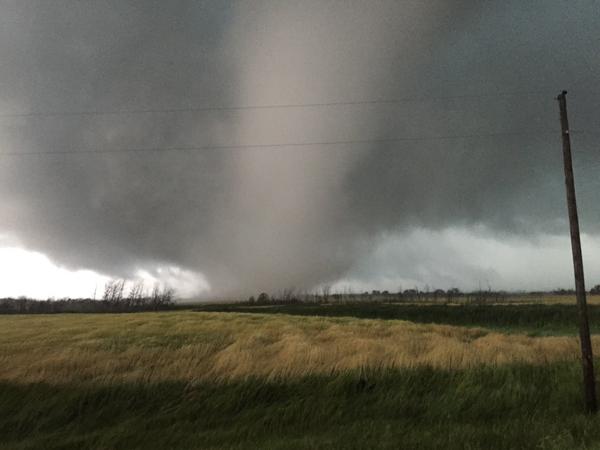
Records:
x=161, y=296
x=113, y=291
x=136, y=294
x=325, y=292
x=287, y=295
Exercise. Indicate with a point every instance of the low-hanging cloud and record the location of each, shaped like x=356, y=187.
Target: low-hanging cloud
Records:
x=267, y=218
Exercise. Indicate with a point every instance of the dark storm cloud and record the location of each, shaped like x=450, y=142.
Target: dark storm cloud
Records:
x=291, y=216
x=109, y=212
x=511, y=183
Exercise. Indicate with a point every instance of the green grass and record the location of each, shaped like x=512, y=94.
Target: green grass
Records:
x=510, y=407
x=74, y=399
x=535, y=320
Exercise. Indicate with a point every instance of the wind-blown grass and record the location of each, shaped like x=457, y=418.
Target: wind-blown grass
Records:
x=188, y=380
x=506, y=407
x=547, y=318
x=194, y=347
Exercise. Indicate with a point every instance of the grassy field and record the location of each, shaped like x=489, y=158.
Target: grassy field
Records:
x=552, y=317
x=188, y=380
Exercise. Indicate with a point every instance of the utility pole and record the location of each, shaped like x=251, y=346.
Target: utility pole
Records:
x=587, y=360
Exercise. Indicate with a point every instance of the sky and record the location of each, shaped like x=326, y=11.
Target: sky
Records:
x=229, y=148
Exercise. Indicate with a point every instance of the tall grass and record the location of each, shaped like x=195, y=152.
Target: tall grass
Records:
x=194, y=347
x=533, y=319
x=507, y=407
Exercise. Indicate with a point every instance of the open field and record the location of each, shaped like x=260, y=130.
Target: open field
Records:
x=188, y=379
x=199, y=346
x=557, y=316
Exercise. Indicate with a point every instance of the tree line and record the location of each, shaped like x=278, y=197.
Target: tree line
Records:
x=118, y=296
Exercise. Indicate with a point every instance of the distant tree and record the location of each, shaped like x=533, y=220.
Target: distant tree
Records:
x=562, y=291
x=288, y=295
x=325, y=292
x=263, y=298
x=161, y=297
x=113, y=291
x=136, y=294
x=595, y=290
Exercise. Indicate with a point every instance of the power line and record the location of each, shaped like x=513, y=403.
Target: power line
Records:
x=417, y=99
x=591, y=133
x=275, y=145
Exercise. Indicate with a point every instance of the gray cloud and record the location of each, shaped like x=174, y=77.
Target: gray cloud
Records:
x=289, y=216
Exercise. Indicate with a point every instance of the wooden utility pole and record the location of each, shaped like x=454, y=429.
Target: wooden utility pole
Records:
x=587, y=360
